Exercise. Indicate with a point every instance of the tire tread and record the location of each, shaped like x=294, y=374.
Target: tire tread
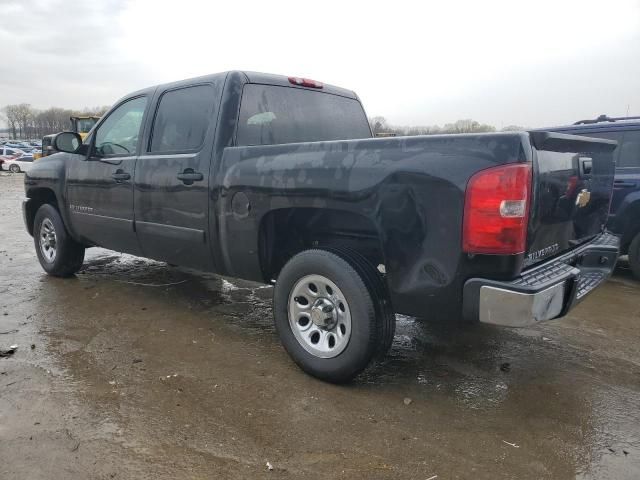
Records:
x=634, y=256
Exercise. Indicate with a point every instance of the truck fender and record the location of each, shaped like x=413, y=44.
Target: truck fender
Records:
x=627, y=220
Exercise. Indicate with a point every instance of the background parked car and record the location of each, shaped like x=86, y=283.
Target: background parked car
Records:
x=18, y=164
x=10, y=152
x=19, y=146
x=624, y=215
x=14, y=160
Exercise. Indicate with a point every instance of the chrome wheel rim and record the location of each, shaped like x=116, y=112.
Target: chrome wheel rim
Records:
x=319, y=316
x=48, y=240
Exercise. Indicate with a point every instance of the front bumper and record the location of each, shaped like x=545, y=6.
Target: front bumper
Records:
x=543, y=292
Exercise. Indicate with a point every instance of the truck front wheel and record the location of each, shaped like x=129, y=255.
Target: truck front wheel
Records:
x=328, y=314
x=58, y=253
x=634, y=256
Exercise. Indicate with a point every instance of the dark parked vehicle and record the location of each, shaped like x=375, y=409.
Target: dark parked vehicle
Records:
x=624, y=216
x=278, y=180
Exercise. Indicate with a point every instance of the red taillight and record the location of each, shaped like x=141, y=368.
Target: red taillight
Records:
x=496, y=210
x=305, y=82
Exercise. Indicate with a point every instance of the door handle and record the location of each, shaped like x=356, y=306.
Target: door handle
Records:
x=120, y=175
x=188, y=176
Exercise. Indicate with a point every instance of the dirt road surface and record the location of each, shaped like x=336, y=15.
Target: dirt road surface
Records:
x=135, y=369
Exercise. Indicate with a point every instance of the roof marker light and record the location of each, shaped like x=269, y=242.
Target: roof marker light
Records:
x=305, y=82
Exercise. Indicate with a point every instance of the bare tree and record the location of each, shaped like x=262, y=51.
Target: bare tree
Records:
x=23, y=114
x=24, y=121
x=467, y=126
x=12, y=119
x=378, y=124
x=93, y=111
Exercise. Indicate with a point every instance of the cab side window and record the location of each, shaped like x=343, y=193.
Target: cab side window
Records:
x=119, y=134
x=182, y=119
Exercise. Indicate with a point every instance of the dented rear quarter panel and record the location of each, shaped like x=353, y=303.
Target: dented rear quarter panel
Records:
x=410, y=188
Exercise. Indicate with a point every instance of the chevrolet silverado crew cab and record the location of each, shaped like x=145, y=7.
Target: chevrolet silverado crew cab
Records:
x=278, y=180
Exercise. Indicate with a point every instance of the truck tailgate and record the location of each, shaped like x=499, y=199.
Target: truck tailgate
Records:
x=572, y=187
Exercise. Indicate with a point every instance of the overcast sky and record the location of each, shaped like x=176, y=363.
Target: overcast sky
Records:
x=417, y=63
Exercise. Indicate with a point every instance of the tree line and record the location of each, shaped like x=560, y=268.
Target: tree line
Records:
x=27, y=122
x=381, y=125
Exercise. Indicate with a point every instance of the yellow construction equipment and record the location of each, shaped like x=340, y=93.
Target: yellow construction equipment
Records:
x=81, y=124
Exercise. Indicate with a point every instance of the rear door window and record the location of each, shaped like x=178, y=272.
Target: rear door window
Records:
x=182, y=119
x=274, y=115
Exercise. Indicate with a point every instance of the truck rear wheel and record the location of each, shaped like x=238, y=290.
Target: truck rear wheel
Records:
x=328, y=313
x=58, y=253
x=634, y=256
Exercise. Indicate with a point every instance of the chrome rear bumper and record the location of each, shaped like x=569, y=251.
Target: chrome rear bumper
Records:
x=544, y=292
x=499, y=306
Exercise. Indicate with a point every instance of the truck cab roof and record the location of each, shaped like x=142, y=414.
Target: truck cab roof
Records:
x=251, y=77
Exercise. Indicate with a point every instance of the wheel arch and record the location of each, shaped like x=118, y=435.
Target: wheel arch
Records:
x=287, y=231
x=628, y=220
x=36, y=198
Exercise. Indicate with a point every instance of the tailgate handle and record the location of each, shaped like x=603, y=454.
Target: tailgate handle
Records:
x=586, y=164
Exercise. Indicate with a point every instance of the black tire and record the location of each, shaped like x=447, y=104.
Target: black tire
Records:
x=634, y=256
x=370, y=323
x=376, y=284
x=69, y=254
x=14, y=168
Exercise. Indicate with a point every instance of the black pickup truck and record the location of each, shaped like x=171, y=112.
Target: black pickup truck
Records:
x=278, y=180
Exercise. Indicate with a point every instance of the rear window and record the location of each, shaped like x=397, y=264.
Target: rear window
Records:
x=273, y=115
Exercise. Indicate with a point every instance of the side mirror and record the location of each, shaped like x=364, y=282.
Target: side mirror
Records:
x=67, y=142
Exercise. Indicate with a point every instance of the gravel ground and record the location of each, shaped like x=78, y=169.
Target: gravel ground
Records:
x=118, y=375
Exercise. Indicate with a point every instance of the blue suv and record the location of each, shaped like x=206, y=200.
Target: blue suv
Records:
x=624, y=215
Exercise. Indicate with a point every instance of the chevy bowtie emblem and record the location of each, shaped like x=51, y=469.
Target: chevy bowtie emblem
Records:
x=583, y=198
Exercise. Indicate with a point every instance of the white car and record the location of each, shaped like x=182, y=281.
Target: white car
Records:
x=15, y=161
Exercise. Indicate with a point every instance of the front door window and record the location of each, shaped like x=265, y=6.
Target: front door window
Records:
x=119, y=134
